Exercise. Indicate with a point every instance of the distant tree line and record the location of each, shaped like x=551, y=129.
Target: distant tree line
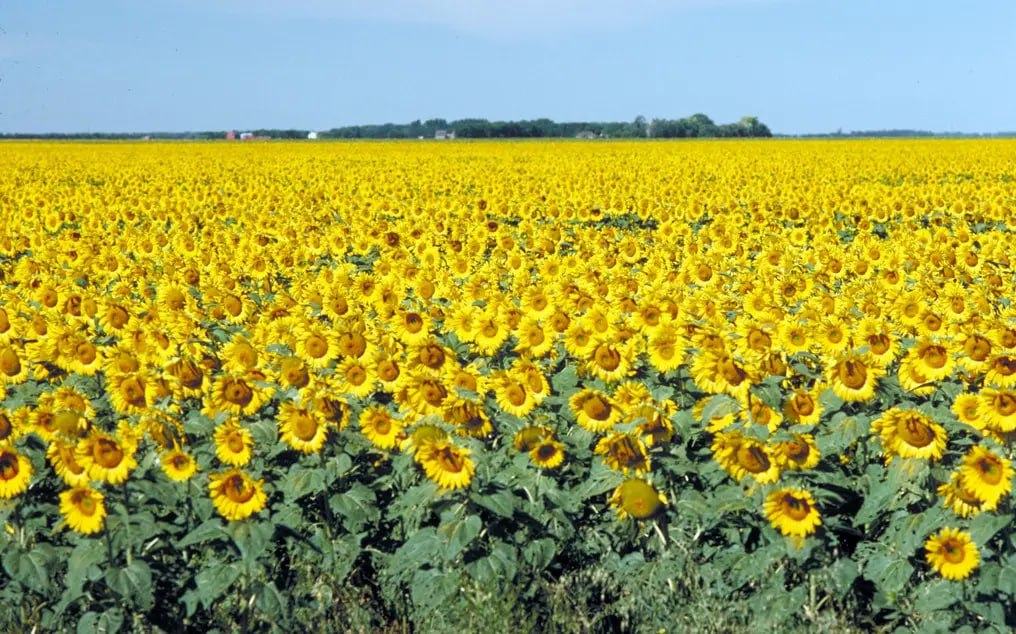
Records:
x=697, y=125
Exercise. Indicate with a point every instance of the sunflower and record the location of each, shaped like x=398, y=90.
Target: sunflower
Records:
x=447, y=465
x=412, y=327
x=61, y=455
x=666, y=349
x=535, y=339
x=624, y=453
x=14, y=367
x=178, y=465
x=955, y=497
x=594, y=410
x=468, y=418
x=15, y=473
x=380, y=428
x=420, y=437
x=513, y=395
x=910, y=434
x=803, y=408
x=797, y=454
x=293, y=372
x=967, y=408
x=547, y=453
x=491, y=331
x=998, y=408
x=717, y=372
x=302, y=428
x=354, y=377
x=952, y=553
x=933, y=360
x=10, y=429
x=792, y=512
x=741, y=456
x=1002, y=371
x=655, y=428
x=237, y=394
x=387, y=371
x=853, y=377
x=236, y=495
x=610, y=361
x=315, y=344
x=83, y=509
x=530, y=436
x=423, y=394
x=106, y=458
x=986, y=475
x=638, y=499
x=239, y=355
x=233, y=443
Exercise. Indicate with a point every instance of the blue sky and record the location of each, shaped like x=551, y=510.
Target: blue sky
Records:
x=799, y=65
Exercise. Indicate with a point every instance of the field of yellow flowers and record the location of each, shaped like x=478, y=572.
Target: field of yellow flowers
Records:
x=556, y=386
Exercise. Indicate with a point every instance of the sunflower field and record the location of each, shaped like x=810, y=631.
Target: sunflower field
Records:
x=547, y=386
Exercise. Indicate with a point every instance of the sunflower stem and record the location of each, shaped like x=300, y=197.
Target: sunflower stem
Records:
x=109, y=547
x=126, y=523
x=329, y=519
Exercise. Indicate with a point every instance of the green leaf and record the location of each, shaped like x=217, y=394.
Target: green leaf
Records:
x=565, y=381
x=251, y=538
x=497, y=567
x=984, y=526
x=500, y=503
x=891, y=573
x=109, y=622
x=539, y=553
x=81, y=566
x=30, y=568
x=214, y=579
x=272, y=602
x=209, y=530
x=936, y=595
x=300, y=481
x=431, y=588
x=844, y=571
x=358, y=506
x=133, y=583
x=877, y=501
x=718, y=407
x=423, y=547
x=459, y=534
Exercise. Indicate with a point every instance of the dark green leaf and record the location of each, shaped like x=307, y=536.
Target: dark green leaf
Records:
x=133, y=583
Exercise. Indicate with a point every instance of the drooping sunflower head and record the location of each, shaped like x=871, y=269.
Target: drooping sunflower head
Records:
x=638, y=499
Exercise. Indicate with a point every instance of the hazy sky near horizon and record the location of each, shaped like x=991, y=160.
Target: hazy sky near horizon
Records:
x=799, y=65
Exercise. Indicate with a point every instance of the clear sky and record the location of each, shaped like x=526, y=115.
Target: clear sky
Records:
x=799, y=65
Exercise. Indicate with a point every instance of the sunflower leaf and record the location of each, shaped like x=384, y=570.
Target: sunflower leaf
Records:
x=214, y=579
x=460, y=534
x=133, y=583
x=985, y=525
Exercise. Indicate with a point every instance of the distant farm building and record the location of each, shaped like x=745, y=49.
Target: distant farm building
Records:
x=231, y=135
x=312, y=135
x=586, y=134
x=444, y=134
